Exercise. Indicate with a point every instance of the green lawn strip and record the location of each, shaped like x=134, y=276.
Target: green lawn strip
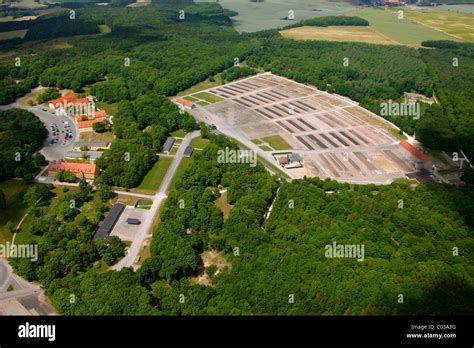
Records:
x=111, y=109
x=277, y=142
x=265, y=148
x=211, y=98
x=155, y=176
x=203, y=103
x=191, y=99
x=256, y=141
x=15, y=208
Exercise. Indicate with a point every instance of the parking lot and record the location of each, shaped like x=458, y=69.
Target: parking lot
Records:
x=61, y=133
x=125, y=231
x=335, y=136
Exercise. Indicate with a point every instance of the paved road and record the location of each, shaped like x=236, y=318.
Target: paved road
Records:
x=158, y=199
x=202, y=114
x=49, y=150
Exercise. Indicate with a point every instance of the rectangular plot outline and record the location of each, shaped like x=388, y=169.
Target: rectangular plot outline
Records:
x=268, y=96
x=328, y=165
x=398, y=161
x=304, y=142
x=365, y=161
x=324, y=119
x=333, y=156
x=336, y=136
x=338, y=122
x=317, y=141
x=261, y=112
x=330, y=141
x=284, y=126
x=363, y=139
x=310, y=126
x=343, y=133
x=297, y=126
x=268, y=109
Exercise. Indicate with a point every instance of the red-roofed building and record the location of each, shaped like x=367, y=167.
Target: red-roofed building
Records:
x=92, y=116
x=88, y=124
x=423, y=161
x=186, y=103
x=86, y=170
x=59, y=102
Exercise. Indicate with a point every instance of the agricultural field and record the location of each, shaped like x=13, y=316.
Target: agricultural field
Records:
x=7, y=35
x=269, y=14
x=458, y=25
x=404, y=31
x=339, y=33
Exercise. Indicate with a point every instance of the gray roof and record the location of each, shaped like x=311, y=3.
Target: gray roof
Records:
x=133, y=221
x=78, y=154
x=91, y=144
x=188, y=151
x=168, y=145
x=109, y=222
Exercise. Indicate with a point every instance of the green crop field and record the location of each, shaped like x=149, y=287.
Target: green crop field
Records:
x=402, y=30
x=459, y=25
x=269, y=13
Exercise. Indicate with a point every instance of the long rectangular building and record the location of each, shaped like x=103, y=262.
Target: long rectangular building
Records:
x=109, y=222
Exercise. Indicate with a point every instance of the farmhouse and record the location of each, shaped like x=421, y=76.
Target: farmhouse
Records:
x=185, y=103
x=423, y=161
x=88, y=171
x=109, y=222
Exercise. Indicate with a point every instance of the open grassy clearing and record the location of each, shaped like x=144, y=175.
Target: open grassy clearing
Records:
x=28, y=47
x=6, y=35
x=104, y=28
x=93, y=136
x=339, y=33
x=459, y=25
x=405, y=31
x=15, y=209
x=153, y=179
x=179, y=133
x=224, y=205
x=199, y=142
x=207, y=97
x=111, y=109
x=191, y=99
x=277, y=142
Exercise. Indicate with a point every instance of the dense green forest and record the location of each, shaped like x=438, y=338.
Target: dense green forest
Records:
x=331, y=20
x=18, y=143
x=450, y=125
x=408, y=251
x=149, y=54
